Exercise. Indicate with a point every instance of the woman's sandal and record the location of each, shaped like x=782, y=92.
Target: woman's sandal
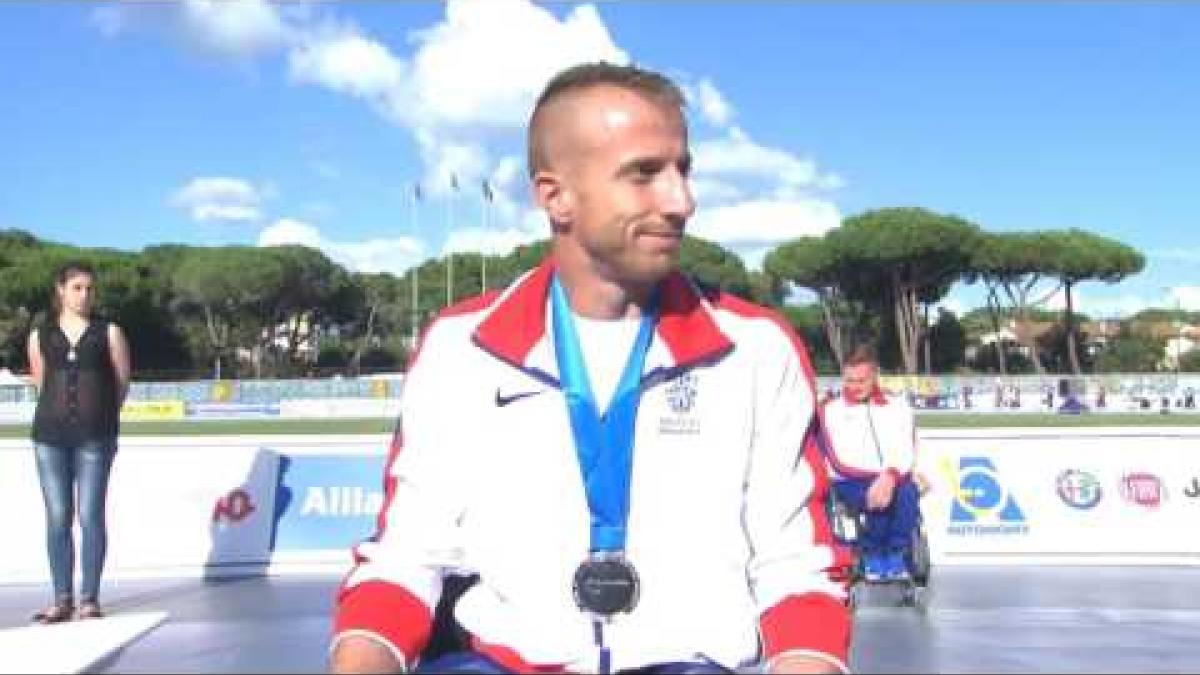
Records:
x=63, y=610
x=90, y=610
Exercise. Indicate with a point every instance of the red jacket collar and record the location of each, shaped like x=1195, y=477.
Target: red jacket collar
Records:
x=518, y=321
x=876, y=396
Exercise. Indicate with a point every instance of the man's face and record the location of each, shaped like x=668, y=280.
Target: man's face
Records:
x=626, y=179
x=858, y=380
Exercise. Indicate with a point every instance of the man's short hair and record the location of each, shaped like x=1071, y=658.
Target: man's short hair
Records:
x=649, y=84
x=862, y=354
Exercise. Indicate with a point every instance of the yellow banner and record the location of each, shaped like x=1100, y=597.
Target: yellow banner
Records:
x=379, y=389
x=153, y=410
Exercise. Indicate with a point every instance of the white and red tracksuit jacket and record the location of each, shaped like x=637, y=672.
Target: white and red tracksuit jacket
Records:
x=867, y=438
x=726, y=528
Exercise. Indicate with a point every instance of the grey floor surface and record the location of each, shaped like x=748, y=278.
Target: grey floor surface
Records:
x=980, y=619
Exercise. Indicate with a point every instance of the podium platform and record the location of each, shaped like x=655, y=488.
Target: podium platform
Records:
x=72, y=646
x=999, y=619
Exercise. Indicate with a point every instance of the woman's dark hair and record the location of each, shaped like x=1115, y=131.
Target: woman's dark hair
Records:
x=65, y=272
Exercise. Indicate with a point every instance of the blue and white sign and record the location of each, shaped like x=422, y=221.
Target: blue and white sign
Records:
x=327, y=502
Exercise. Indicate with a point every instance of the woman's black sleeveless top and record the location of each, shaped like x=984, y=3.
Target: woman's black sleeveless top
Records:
x=78, y=400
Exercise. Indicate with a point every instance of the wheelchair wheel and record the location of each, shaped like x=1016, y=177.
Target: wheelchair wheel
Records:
x=917, y=597
x=854, y=597
x=844, y=523
x=917, y=557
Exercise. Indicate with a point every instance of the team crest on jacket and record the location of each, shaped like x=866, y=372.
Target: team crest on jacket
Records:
x=681, y=398
x=681, y=393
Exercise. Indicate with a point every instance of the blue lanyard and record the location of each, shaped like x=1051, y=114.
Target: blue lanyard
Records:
x=604, y=445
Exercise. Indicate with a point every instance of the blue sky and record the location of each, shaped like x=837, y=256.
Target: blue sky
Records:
x=220, y=121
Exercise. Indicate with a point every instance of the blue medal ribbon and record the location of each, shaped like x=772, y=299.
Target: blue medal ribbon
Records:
x=604, y=444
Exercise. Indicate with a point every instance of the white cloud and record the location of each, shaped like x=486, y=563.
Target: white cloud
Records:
x=1120, y=305
x=487, y=61
x=349, y=63
x=508, y=225
x=508, y=174
x=737, y=155
x=753, y=227
x=242, y=28
x=288, y=231
x=219, y=199
x=489, y=241
x=712, y=191
x=1186, y=297
x=752, y=197
x=239, y=29
x=715, y=108
x=380, y=254
x=448, y=162
x=472, y=75
x=394, y=255
x=465, y=86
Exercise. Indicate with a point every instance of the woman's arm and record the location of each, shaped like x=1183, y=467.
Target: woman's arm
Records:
x=118, y=351
x=37, y=368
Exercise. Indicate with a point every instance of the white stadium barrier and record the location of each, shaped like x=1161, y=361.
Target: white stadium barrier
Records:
x=185, y=506
x=212, y=505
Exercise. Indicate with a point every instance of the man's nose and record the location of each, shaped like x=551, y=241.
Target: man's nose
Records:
x=676, y=196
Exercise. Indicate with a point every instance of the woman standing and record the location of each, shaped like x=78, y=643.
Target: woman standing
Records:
x=80, y=366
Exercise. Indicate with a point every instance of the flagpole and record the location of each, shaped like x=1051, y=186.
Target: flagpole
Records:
x=483, y=207
x=416, y=272
x=450, y=254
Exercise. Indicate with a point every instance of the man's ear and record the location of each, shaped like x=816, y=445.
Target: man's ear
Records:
x=555, y=198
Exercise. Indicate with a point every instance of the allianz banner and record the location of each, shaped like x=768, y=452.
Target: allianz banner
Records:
x=328, y=502
x=1104, y=496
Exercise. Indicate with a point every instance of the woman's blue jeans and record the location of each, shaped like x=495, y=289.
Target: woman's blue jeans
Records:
x=62, y=471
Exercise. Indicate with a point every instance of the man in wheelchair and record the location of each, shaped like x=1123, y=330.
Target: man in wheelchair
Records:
x=871, y=451
x=707, y=554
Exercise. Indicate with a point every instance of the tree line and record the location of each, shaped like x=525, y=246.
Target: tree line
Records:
x=877, y=276
x=245, y=311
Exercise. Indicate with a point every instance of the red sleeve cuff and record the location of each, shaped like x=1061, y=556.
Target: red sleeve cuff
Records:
x=389, y=611
x=811, y=622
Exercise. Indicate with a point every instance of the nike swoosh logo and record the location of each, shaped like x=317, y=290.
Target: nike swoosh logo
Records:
x=503, y=400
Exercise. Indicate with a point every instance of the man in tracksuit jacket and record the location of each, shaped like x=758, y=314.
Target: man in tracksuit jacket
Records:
x=724, y=526
x=872, y=452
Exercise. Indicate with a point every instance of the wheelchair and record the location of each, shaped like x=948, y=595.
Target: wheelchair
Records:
x=447, y=636
x=846, y=523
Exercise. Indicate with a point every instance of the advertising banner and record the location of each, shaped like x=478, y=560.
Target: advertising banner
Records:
x=1008, y=496
x=153, y=410
x=173, y=504
x=17, y=413
x=232, y=410
x=332, y=408
x=1103, y=496
x=328, y=502
x=207, y=503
